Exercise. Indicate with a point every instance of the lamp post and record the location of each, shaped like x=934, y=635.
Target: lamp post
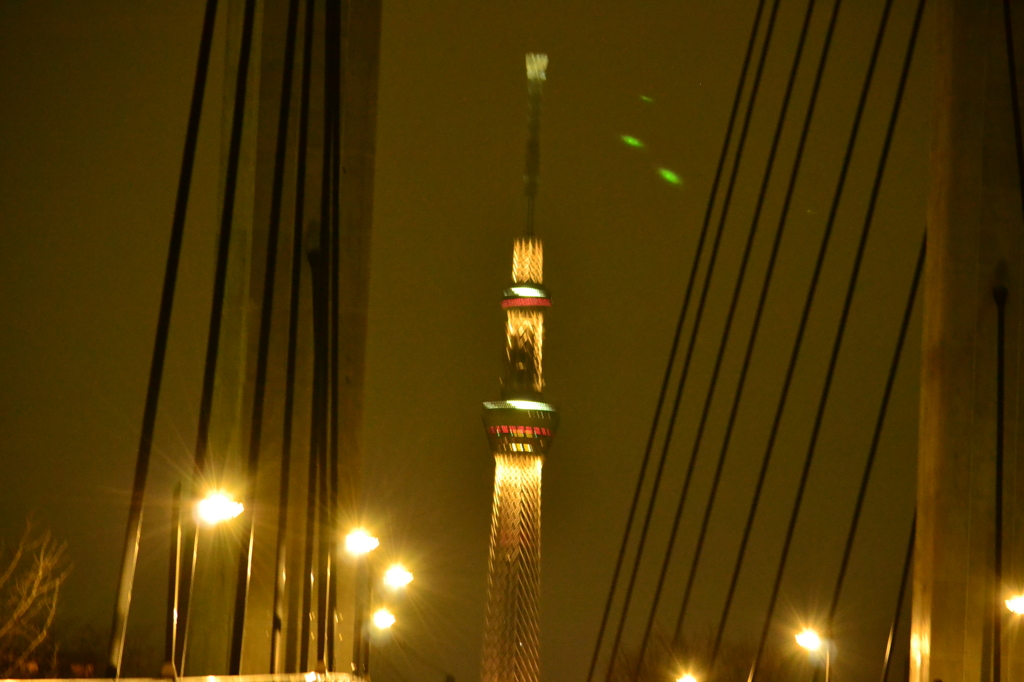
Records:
x=213, y=509
x=173, y=580
x=813, y=643
x=359, y=543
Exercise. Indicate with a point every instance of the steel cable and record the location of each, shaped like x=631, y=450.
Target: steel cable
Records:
x=876, y=438
x=263, y=344
x=802, y=326
x=217, y=306
x=755, y=327
x=126, y=577
x=655, y=486
x=327, y=272
x=744, y=261
x=887, y=661
x=295, y=288
x=840, y=332
x=337, y=80
x=675, y=341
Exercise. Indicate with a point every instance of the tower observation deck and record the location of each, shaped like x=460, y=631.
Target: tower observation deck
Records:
x=519, y=428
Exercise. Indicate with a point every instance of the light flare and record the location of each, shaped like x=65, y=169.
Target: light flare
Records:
x=218, y=507
x=360, y=542
x=397, y=576
x=809, y=639
x=383, y=619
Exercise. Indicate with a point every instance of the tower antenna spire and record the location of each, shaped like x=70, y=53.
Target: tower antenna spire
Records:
x=536, y=66
x=520, y=427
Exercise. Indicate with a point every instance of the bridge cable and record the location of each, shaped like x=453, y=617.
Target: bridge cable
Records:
x=126, y=577
x=317, y=254
x=217, y=307
x=801, y=329
x=744, y=261
x=1011, y=63
x=876, y=438
x=325, y=270
x=755, y=326
x=899, y=602
x=248, y=528
x=337, y=82
x=693, y=336
x=840, y=332
x=675, y=341
x=277, y=623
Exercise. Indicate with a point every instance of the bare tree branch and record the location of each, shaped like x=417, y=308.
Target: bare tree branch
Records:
x=30, y=580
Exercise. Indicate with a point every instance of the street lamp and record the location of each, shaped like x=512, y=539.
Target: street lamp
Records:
x=811, y=641
x=383, y=619
x=1015, y=604
x=687, y=678
x=217, y=507
x=359, y=542
x=397, y=577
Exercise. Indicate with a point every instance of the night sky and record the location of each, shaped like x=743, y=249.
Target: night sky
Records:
x=93, y=101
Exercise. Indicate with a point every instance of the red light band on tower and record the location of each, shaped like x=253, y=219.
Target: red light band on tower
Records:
x=525, y=302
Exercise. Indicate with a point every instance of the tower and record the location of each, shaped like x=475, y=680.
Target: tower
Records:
x=519, y=427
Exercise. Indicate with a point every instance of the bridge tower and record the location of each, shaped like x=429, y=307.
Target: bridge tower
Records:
x=519, y=427
x=975, y=246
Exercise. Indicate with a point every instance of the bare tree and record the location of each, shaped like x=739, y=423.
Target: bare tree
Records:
x=31, y=575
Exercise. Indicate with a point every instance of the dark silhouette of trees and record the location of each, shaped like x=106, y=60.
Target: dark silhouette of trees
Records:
x=31, y=575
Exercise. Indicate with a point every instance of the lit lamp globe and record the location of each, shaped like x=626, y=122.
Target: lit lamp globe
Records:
x=809, y=639
x=383, y=619
x=1016, y=604
x=360, y=542
x=218, y=507
x=688, y=677
x=397, y=577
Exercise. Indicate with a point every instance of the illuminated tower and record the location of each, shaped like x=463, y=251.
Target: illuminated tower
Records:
x=519, y=429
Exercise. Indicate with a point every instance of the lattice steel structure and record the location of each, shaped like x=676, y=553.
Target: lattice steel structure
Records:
x=519, y=429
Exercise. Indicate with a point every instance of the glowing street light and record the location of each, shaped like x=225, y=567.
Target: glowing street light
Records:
x=383, y=619
x=687, y=678
x=813, y=643
x=1016, y=604
x=809, y=639
x=397, y=576
x=218, y=507
x=360, y=542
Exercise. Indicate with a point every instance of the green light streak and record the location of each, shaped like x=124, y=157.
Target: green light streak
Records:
x=669, y=176
x=649, y=100
x=632, y=141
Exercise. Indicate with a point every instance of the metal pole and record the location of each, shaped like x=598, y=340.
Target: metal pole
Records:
x=130, y=554
x=899, y=606
x=359, y=619
x=173, y=577
x=370, y=577
x=997, y=617
x=313, y=254
x=186, y=578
